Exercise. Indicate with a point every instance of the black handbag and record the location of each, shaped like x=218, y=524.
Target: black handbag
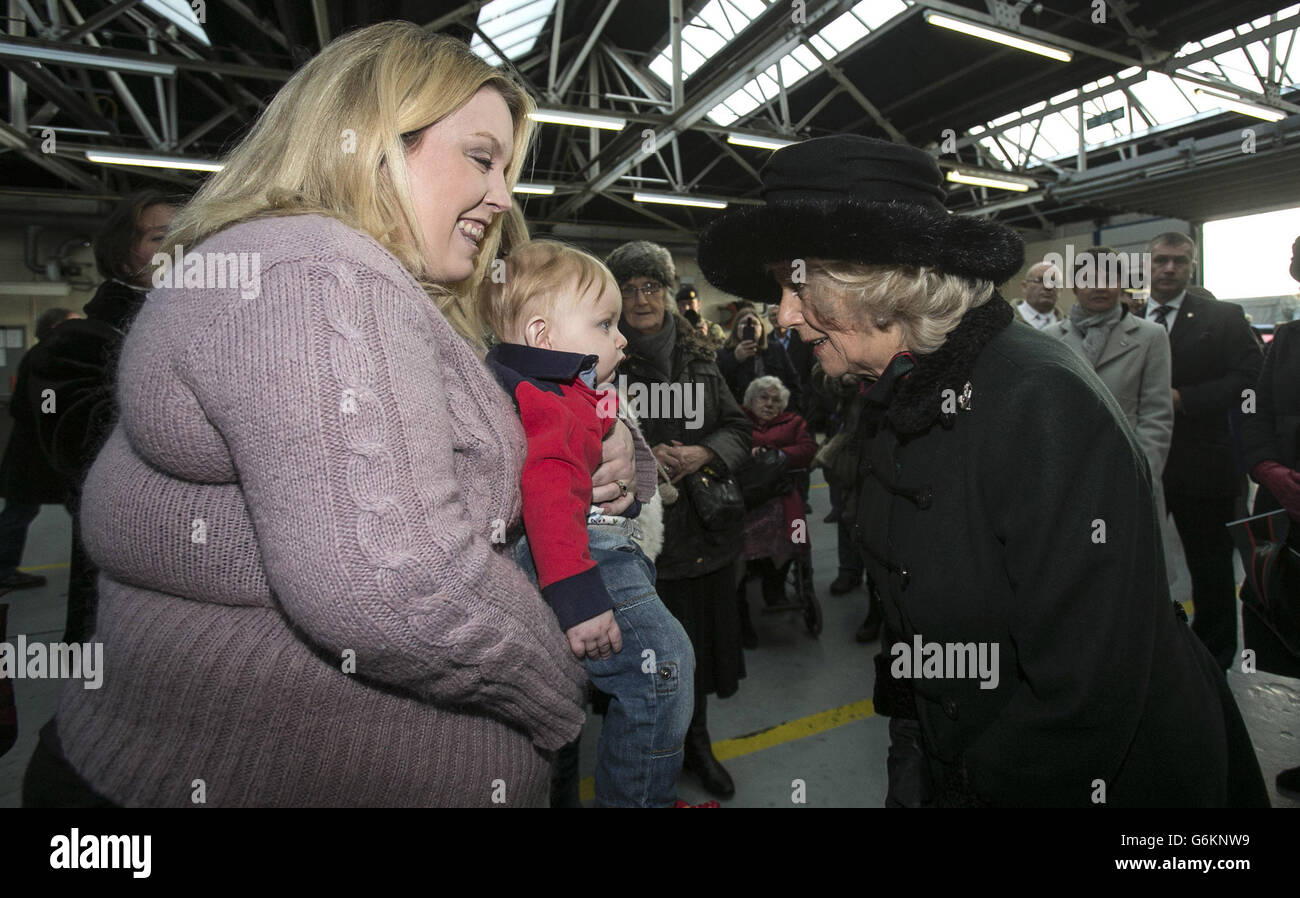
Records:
x=1270, y=551
x=716, y=499
x=764, y=477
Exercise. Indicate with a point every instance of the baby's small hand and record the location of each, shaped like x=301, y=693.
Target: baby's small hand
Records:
x=596, y=638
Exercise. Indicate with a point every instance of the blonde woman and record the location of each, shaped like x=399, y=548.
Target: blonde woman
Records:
x=1031, y=653
x=305, y=514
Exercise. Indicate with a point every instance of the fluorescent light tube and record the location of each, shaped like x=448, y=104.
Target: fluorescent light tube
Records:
x=753, y=140
x=998, y=36
x=539, y=189
x=1244, y=107
x=981, y=179
x=114, y=157
x=579, y=119
x=670, y=199
x=52, y=56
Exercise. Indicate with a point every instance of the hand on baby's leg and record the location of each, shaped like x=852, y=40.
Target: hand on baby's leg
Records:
x=596, y=638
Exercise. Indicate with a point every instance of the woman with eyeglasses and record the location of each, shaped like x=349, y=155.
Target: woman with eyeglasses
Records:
x=697, y=569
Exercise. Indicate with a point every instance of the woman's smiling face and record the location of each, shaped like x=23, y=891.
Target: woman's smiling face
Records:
x=840, y=348
x=458, y=185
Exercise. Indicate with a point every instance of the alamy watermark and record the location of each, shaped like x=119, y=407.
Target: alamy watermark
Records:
x=658, y=401
x=209, y=270
x=90, y=852
x=1128, y=271
x=922, y=660
x=21, y=660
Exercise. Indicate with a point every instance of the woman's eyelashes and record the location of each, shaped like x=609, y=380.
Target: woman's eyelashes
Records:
x=483, y=160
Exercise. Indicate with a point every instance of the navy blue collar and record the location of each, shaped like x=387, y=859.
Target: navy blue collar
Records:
x=545, y=364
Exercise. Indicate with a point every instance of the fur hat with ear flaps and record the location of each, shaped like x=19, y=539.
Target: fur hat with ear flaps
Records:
x=853, y=199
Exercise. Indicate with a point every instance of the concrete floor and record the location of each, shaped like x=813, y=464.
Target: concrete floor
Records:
x=802, y=714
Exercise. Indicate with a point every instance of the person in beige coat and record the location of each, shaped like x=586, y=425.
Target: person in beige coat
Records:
x=1131, y=357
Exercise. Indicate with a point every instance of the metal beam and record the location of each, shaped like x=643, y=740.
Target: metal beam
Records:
x=103, y=17
x=640, y=209
x=16, y=140
x=321, y=16
x=572, y=70
x=851, y=89
x=675, y=42
x=206, y=127
x=263, y=24
x=123, y=92
x=767, y=39
x=1170, y=67
x=643, y=80
x=201, y=65
x=557, y=33
x=456, y=15
x=45, y=83
x=860, y=44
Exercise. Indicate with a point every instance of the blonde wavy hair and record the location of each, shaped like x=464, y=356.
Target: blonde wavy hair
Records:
x=539, y=276
x=927, y=304
x=334, y=141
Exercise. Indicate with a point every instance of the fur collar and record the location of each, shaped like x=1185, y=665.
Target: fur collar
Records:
x=917, y=401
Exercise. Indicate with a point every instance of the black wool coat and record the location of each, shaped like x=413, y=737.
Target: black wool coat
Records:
x=1215, y=357
x=78, y=363
x=691, y=550
x=1017, y=511
x=1272, y=431
x=739, y=375
x=25, y=475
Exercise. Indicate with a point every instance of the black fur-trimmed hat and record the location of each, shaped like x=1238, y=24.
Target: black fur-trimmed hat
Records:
x=854, y=199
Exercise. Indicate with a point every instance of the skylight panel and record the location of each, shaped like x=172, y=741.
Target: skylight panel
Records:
x=823, y=46
x=706, y=40
x=715, y=18
x=843, y=32
x=791, y=70
x=877, y=12
x=513, y=25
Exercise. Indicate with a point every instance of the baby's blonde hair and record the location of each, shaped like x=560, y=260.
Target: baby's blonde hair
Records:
x=537, y=274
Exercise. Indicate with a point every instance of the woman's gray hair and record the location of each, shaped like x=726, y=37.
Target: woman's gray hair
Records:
x=766, y=382
x=926, y=303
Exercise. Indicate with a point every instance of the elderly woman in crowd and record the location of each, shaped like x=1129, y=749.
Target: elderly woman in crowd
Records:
x=748, y=353
x=1032, y=654
x=697, y=569
x=770, y=528
x=304, y=514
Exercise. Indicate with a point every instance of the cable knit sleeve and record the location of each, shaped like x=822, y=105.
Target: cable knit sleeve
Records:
x=352, y=432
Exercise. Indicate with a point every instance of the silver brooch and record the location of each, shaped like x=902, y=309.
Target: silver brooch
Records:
x=963, y=401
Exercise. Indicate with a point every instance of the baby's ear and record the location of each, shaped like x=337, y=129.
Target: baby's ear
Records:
x=537, y=334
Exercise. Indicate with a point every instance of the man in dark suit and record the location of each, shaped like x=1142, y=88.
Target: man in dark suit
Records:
x=1215, y=359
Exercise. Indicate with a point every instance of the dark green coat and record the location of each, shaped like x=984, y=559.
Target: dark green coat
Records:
x=1023, y=516
x=689, y=549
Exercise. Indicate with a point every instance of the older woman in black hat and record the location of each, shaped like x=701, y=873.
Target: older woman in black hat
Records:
x=697, y=570
x=1032, y=654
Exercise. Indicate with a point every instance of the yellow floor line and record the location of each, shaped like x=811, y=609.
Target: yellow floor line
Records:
x=791, y=731
x=43, y=567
